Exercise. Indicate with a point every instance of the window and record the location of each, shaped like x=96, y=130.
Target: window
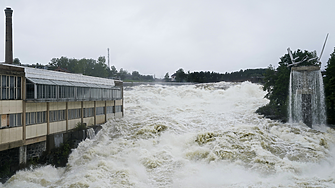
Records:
x=74, y=113
x=10, y=87
x=46, y=91
x=18, y=88
x=35, y=118
x=88, y=112
x=116, y=94
x=100, y=111
x=57, y=115
x=109, y=109
x=11, y=84
x=118, y=109
x=14, y=120
x=30, y=90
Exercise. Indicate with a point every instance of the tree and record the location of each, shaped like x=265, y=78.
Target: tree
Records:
x=62, y=62
x=136, y=75
x=167, y=77
x=122, y=74
x=180, y=75
x=113, y=72
x=329, y=83
x=16, y=61
x=100, y=68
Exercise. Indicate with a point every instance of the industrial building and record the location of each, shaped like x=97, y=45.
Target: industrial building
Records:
x=37, y=103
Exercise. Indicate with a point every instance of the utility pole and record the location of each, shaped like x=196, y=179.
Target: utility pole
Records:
x=108, y=57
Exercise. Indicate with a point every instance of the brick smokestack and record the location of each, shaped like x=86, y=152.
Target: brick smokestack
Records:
x=9, y=36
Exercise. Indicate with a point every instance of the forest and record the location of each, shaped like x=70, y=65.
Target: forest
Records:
x=253, y=75
x=91, y=67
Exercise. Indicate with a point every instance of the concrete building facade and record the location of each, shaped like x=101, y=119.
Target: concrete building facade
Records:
x=35, y=103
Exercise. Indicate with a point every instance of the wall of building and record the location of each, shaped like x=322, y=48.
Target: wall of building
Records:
x=11, y=135
x=10, y=106
x=37, y=130
x=36, y=107
x=57, y=127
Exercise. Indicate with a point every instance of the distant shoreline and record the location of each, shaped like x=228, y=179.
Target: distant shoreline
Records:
x=154, y=83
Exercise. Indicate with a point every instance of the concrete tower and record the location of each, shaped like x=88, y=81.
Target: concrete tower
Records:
x=9, y=36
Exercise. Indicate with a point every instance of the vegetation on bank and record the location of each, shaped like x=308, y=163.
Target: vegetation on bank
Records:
x=254, y=75
x=329, y=83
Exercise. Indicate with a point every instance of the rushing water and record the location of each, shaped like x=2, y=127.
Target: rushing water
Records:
x=194, y=136
x=306, y=98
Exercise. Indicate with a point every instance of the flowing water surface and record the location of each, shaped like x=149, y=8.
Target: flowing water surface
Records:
x=204, y=135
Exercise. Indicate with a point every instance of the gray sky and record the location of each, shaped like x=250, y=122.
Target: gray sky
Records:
x=159, y=36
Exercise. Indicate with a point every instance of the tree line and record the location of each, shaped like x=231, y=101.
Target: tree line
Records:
x=253, y=75
x=91, y=67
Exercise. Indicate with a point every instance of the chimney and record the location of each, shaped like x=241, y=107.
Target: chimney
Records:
x=9, y=38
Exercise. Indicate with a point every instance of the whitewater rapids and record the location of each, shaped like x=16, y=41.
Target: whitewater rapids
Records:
x=204, y=135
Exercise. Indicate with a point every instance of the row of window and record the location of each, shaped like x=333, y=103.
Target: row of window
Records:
x=11, y=120
x=35, y=118
x=57, y=115
x=88, y=112
x=100, y=111
x=70, y=92
x=15, y=120
x=10, y=87
x=74, y=113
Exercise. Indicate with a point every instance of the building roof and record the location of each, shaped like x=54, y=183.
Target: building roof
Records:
x=48, y=77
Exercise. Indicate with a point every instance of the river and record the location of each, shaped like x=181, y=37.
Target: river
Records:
x=204, y=135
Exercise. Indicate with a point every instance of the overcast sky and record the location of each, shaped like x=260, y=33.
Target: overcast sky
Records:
x=159, y=36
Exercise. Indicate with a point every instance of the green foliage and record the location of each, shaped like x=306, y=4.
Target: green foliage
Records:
x=254, y=75
x=16, y=61
x=123, y=74
x=5, y=170
x=95, y=68
x=113, y=72
x=80, y=126
x=276, y=83
x=329, y=83
x=167, y=77
x=181, y=76
x=60, y=155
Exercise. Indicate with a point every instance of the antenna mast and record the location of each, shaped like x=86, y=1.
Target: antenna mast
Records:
x=324, y=44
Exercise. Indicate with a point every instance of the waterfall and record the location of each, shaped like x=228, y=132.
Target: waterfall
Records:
x=90, y=133
x=306, y=96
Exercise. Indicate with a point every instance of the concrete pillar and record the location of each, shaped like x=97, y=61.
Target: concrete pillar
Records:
x=105, y=112
x=120, y=84
x=23, y=155
x=94, y=111
x=67, y=116
x=9, y=36
x=82, y=112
